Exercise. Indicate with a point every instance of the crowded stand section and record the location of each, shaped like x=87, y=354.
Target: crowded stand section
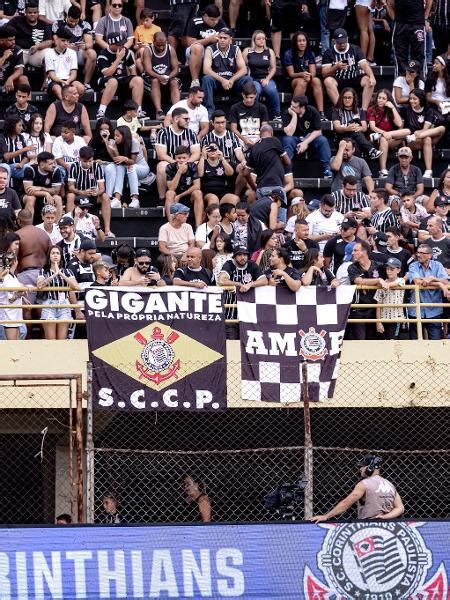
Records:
x=238, y=144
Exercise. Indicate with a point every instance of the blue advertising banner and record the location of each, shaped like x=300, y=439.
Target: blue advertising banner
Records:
x=376, y=560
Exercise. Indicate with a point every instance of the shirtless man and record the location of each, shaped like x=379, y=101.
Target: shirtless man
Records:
x=142, y=274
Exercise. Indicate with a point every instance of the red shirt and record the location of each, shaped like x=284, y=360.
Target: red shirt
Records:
x=381, y=118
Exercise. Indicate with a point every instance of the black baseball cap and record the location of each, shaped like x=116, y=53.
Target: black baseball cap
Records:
x=240, y=250
x=440, y=202
x=227, y=31
x=349, y=222
x=66, y=221
x=380, y=238
x=87, y=244
x=83, y=202
x=340, y=35
x=115, y=38
x=63, y=33
x=414, y=66
x=142, y=252
x=369, y=459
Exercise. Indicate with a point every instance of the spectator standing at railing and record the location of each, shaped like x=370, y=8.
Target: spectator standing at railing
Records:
x=81, y=267
x=9, y=200
x=71, y=241
x=8, y=265
x=433, y=279
x=196, y=496
x=300, y=244
x=390, y=331
x=438, y=241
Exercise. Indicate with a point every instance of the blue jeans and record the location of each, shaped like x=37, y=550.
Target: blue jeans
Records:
x=210, y=85
x=429, y=47
x=434, y=330
x=12, y=172
x=324, y=31
x=319, y=145
x=115, y=177
x=271, y=93
x=263, y=192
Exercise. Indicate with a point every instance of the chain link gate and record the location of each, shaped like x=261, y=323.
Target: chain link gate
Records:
x=244, y=453
x=41, y=448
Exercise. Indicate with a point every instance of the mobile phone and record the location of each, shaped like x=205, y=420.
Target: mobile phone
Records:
x=355, y=209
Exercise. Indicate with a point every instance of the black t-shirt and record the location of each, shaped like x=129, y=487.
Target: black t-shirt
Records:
x=198, y=29
x=264, y=160
x=214, y=178
x=293, y=273
x=83, y=273
x=345, y=117
x=261, y=209
x=352, y=55
x=186, y=180
x=106, y=58
x=441, y=250
x=364, y=296
x=248, y=118
x=193, y=275
x=307, y=123
x=325, y=277
x=25, y=114
x=251, y=272
x=415, y=120
x=403, y=256
x=297, y=255
x=29, y=35
x=8, y=144
x=335, y=249
x=11, y=64
x=410, y=12
x=9, y=203
x=11, y=7
x=40, y=179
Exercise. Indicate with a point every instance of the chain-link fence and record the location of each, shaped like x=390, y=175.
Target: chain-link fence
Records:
x=240, y=455
x=40, y=448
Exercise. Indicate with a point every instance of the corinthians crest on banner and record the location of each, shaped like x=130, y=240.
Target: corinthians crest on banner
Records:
x=158, y=349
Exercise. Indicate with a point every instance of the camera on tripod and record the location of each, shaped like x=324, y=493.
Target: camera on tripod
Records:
x=284, y=498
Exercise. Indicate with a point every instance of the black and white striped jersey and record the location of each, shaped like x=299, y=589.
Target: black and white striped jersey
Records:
x=168, y=138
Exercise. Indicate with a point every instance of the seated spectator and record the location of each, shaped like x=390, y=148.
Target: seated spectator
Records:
x=71, y=241
x=390, y=331
x=382, y=216
x=225, y=227
x=167, y=265
x=161, y=64
x=437, y=88
x=176, y=236
x=419, y=120
x=66, y=148
x=168, y=140
x=86, y=224
x=9, y=200
x=80, y=41
x=404, y=177
x=425, y=272
x=100, y=141
x=181, y=14
x=314, y=272
x=404, y=84
x=129, y=117
x=36, y=137
x=114, y=23
x=349, y=121
x=183, y=183
x=223, y=68
x=54, y=275
x=269, y=241
x=248, y=116
x=202, y=32
x=303, y=129
x=411, y=213
x=342, y=66
x=325, y=222
x=13, y=149
x=61, y=65
x=216, y=175
x=204, y=232
x=334, y=250
x=142, y=273
x=22, y=108
x=394, y=250
x=386, y=126
x=300, y=64
x=350, y=202
x=49, y=223
x=87, y=179
x=104, y=272
x=300, y=244
x=262, y=67
x=281, y=273
x=8, y=266
x=9, y=9
x=442, y=192
x=198, y=115
x=365, y=272
x=129, y=158
x=29, y=28
x=193, y=275
x=346, y=163
x=118, y=69
x=144, y=35
x=11, y=73
x=297, y=210
x=67, y=109
x=224, y=252
x=43, y=180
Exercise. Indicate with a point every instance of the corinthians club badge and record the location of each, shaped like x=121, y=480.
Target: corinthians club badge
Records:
x=312, y=344
x=157, y=356
x=379, y=561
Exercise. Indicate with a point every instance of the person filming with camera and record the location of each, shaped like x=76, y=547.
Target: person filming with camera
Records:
x=377, y=497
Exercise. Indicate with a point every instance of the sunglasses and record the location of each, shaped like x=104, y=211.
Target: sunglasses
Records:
x=143, y=263
x=117, y=5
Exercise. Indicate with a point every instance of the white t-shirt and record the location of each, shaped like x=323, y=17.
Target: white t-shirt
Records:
x=61, y=62
x=32, y=140
x=55, y=235
x=201, y=235
x=68, y=152
x=401, y=83
x=319, y=224
x=54, y=9
x=176, y=239
x=197, y=115
x=10, y=314
x=85, y=226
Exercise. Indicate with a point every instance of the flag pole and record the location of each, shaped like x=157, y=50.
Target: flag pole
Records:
x=308, y=454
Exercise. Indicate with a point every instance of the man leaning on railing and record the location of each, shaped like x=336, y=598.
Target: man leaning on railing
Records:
x=427, y=272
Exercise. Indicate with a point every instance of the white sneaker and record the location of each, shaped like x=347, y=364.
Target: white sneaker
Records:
x=116, y=203
x=134, y=203
x=410, y=139
x=428, y=174
x=148, y=180
x=195, y=83
x=384, y=172
x=374, y=137
x=100, y=114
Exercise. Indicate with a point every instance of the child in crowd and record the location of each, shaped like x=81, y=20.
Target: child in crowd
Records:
x=144, y=34
x=130, y=119
x=183, y=184
x=411, y=213
x=390, y=331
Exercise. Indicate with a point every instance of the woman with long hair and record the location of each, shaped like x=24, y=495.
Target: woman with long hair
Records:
x=300, y=64
x=350, y=121
x=404, y=84
x=53, y=275
x=297, y=210
x=314, y=272
x=196, y=496
x=101, y=136
x=262, y=66
x=437, y=88
x=37, y=137
x=10, y=242
x=204, y=232
x=386, y=125
x=442, y=192
x=281, y=273
x=13, y=148
x=128, y=159
x=269, y=241
x=419, y=120
x=166, y=264
x=224, y=252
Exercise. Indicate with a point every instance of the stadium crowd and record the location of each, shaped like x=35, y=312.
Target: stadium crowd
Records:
x=225, y=178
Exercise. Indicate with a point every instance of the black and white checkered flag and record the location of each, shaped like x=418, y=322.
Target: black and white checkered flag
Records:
x=280, y=329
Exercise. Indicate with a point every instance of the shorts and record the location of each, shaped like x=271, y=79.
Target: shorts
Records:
x=29, y=277
x=123, y=82
x=284, y=16
x=50, y=86
x=188, y=53
x=353, y=83
x=180, y=16
x=55, y=313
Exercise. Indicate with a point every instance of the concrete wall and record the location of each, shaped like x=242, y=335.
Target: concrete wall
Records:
x=397, y=373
